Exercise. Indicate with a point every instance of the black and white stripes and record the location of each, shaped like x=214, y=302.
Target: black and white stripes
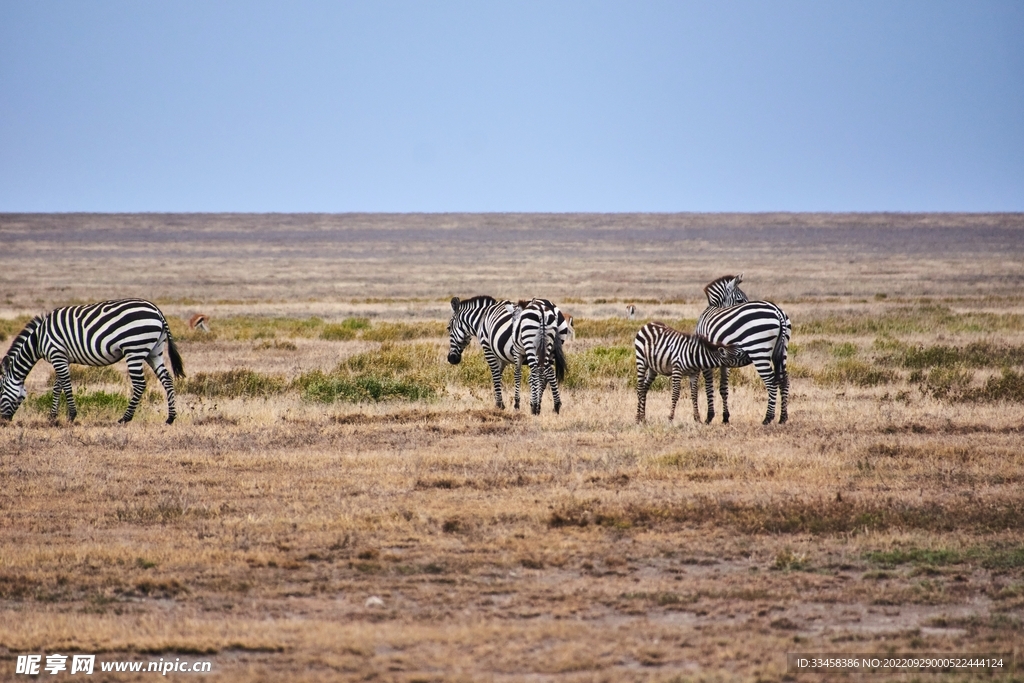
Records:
x=94, y=334
x=510, y=334
x=493, y=323
x=661, y=350
x=760, y=328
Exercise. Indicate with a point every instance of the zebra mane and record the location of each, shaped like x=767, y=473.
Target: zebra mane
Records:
x=479, y=299
x=718, y=281
x=19, y=341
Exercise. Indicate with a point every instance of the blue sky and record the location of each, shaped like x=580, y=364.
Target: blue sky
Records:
x=511, y=106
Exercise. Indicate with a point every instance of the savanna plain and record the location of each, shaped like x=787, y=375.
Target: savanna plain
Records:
x=337, y=502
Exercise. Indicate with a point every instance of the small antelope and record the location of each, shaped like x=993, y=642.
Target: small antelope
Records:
x=200, y=321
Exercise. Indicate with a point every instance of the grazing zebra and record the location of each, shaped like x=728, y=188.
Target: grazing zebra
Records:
x=493, y=323
x=631, y=311
x=760, y=328
x=661, y=350
x=540, y=330
x=200, y=321
x=94, y=334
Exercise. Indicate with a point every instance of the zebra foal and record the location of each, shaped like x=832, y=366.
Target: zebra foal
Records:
x=94, y=334
x=661, y=350
x=760, y=328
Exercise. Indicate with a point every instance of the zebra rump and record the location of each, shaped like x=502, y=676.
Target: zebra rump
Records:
x=539, y=338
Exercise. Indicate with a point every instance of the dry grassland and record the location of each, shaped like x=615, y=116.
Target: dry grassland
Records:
x=326, y=454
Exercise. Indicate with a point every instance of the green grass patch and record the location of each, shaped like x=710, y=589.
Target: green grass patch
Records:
x=410, y=372
x=601, y=367
x=989, y=558
x=927, y=318
x=232, y=384
x=86, y=402
x=974, y=355
x=345, y=330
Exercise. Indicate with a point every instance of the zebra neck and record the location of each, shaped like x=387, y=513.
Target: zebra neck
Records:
x=23, y=359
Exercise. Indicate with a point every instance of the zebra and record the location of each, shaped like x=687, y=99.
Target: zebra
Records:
x=94, y=334
x=493, y=323
x=665, y=351
x=540, y=331
x=760, y=328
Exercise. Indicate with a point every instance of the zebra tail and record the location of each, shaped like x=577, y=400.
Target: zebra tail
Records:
x=561, y=367
x=172, y=349
x=540, y=344
x=781, y=344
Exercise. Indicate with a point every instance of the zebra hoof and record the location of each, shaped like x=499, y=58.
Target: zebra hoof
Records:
x=558, y=407
x=725, y=419
x=535, y=410
x=768, y=420
x=124, y=420
x=782, y=420
x=170, y=419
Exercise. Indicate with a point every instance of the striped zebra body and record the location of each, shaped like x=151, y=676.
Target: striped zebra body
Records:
x=493, y=323
x=95, y=334
x=540, y=331
x=760, y=328
x=661, y=350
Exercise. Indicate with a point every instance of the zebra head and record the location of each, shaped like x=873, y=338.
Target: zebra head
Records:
x=733, y=356
x=12, y=392
x=725, y=292
x=461, y=327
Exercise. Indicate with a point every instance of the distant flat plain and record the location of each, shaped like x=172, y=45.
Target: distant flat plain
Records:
x=886, y=517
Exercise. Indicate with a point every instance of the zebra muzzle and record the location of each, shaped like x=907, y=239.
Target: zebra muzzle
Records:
x=454, y=358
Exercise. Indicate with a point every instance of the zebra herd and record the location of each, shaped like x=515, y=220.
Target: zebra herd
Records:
x=731, y=332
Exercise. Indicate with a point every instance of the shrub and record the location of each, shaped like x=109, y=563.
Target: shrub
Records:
x=408, y=372
x=231, y=384
x=853, y=371
x=390, y=332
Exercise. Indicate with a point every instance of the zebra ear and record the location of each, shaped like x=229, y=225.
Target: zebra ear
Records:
x=455, y=303
x=739, y=279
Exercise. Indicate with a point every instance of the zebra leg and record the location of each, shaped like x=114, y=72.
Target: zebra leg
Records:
x=62, y=385
x=138, y=379
x=693, y=397
x=723, y=389
x=643, y=383
x=519, y=379
x=709, y=389
x=784, y=390
x=156, y=361
x=677, y=381
x=536, y=388
x=554, y=388
x=764, y=369
x=496, y=367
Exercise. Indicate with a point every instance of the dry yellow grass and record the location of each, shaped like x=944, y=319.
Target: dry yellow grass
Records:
x=885, y=517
